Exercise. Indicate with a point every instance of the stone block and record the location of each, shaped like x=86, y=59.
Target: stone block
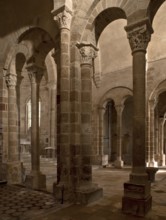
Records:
x=138, y=191
x=88, y=195
x=36, y=180
x=137, y=207
x=62, y=193
x=14, y=172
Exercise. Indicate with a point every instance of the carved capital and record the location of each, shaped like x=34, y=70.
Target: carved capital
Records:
x=11, y=80
x=102, y=111
x=64, y=19
x=139, y=35
x=35, y=73
x=153, y=103
x=119, y=109
x=88, y=52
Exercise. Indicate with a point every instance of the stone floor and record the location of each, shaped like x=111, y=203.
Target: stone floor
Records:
x=33, y=205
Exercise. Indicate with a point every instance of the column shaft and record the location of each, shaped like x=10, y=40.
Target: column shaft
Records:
x=86, y=124
x=35, y=153
x=151, y=135
x=161, y=149
x=14, y=166
x=139, y=119
x=35, y=179
x=101, y=130
x=52, y=118
x=13, y=153
x=87, y=191
x=64, y=175
x=119, y=110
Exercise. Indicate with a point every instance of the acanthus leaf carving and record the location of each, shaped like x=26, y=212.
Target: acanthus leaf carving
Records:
x=139, y=37
x=64, y=19
x=88, y=52
x=11, y=80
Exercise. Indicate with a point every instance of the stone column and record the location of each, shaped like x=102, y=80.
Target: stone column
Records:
x=137, y=198
x=151, y=134
x=101, y=130
x=19, y=80
x=14, y=166
x=52, y=117
x=64, y=174
x=156, y=134
x=119, y=162
x=87, y=190
x=161, y=139
x=104, y=158
x=35, y=179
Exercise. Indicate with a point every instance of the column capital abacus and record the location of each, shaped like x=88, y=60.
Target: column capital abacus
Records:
x=35, y=73
x=88, y=52
x=11, y=80
x=139, y=35
x=63, y=17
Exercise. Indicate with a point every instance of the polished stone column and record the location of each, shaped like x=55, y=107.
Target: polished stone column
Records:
x=151, y=134
x=64, y=175
x=35, y=179
x=119, y=162
x=161, y=138
x=87, y=189
x=137, y=198
x=14, y=166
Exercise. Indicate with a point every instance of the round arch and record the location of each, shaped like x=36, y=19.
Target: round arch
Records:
x=117, y=94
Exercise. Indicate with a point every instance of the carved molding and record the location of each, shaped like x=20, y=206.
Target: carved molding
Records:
x=88, y=52
x=11, y=80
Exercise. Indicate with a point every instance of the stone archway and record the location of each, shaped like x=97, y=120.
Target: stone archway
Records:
x=119, y=96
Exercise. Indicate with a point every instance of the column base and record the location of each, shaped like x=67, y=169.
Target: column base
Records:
x=14, y=172
x=162, y=160
x=119, y=163
x=104, y=160
x=137, y=199
x=151, y=171
x=88, y=194
x=82, y=195
x=35, y=180
x=137, y=207
x=62, y=192
x=152, y=164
